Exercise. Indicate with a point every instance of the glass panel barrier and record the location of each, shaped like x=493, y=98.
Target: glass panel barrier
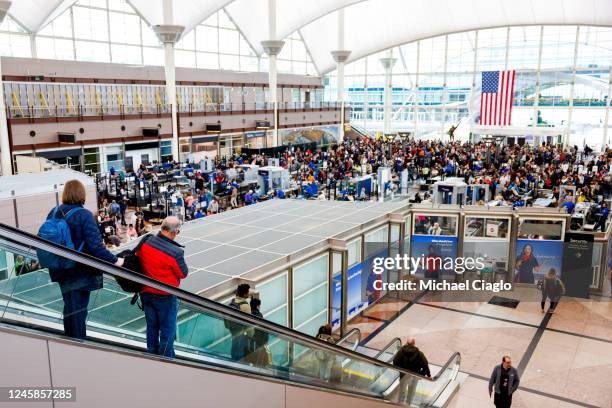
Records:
x=389, y=351
x=207, y=332
x=350, y=340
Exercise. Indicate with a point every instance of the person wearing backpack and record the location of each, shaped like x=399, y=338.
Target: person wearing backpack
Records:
x=241, y=335
x=75, y=227
x=552, y=288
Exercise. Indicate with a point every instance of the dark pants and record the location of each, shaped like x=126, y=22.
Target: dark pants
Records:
x=502, y=401
x=552, y=304
x=240, y=346
x=75, y=312
x=160, y=313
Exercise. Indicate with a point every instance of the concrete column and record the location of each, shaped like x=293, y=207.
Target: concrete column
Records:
x=570, y=109
x=536, y=100
x=169, y=34
x=604, y=140
x=388, y=64
x=272, y=48
x=5, y=145
x=340, y=56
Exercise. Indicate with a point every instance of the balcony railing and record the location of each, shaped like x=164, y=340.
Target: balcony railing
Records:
x=16, y=112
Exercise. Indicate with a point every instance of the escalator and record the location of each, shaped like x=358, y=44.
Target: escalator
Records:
x=30, y=303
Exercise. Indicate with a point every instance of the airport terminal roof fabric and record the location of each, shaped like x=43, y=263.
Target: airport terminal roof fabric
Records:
x=370, y=25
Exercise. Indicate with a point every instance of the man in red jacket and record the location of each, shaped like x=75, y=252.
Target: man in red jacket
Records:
x=162, y=259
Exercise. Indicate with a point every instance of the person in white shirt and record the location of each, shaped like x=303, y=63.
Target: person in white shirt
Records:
x=213, y=207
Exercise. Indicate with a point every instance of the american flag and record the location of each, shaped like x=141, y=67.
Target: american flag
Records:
x=496, y=97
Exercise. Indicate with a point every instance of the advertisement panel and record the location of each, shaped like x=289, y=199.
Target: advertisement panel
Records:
x=577, y=264
x=534, y=258
x=355, y=304
x=434, y=249
x=321, y=135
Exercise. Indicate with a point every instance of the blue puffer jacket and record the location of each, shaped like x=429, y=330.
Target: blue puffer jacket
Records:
x=83, y=229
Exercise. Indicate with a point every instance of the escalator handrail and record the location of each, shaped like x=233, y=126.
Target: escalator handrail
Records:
x=349, y=334
x=26, y=239
x=384, y=349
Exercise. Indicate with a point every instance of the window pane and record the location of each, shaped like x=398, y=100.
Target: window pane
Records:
x=124, y=28
x=310, y=275
x=208, y=60
x=90, y=24
x=60, y=27
x=228, y=41
x=15, y=45
x=92, y=51
x=185, y=58
x=224, y=20
x=54, y=48
x=148, y=36
x=153, y=56
x=248, y=64
x=206, y=39
x=229, y=62
x=187, y=41
x=126, y=54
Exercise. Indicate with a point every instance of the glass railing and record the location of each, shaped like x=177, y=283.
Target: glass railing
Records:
x=387, y=353
x=350, y=340
x=207, y=332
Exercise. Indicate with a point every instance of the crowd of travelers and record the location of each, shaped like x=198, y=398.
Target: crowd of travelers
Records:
x=508, y=171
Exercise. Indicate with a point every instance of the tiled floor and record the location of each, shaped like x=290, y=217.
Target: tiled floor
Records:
x=569, y=363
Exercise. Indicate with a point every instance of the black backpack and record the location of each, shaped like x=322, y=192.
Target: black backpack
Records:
x=132, y=263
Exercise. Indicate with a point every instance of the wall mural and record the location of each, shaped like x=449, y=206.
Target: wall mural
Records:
x=321, y=135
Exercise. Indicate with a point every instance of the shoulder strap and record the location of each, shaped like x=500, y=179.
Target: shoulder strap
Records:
x=69, y=214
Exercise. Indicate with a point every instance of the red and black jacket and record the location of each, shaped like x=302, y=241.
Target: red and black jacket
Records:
x=162, y=259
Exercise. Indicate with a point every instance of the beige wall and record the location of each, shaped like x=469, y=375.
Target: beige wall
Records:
x=78, y=69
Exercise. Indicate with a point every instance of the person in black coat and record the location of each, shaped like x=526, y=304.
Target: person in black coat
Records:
x=410, y=358
x=76, y=284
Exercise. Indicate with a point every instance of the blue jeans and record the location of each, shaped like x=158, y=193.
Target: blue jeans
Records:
x=160, y=313
x=75, y=312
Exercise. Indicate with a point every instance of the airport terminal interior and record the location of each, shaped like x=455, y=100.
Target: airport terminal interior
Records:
x=291, y=203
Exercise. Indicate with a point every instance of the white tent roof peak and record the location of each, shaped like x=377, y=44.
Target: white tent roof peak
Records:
x=370, y=25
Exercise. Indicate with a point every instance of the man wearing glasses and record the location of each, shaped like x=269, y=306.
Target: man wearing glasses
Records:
x=505, y=379
x=162, y=259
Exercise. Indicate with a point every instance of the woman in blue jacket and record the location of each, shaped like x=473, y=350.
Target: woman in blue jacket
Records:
x=77, y=283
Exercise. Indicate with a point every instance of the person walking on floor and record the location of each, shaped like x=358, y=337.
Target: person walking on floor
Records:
x=552, y=288
x=505, y=381
x=162, y=259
